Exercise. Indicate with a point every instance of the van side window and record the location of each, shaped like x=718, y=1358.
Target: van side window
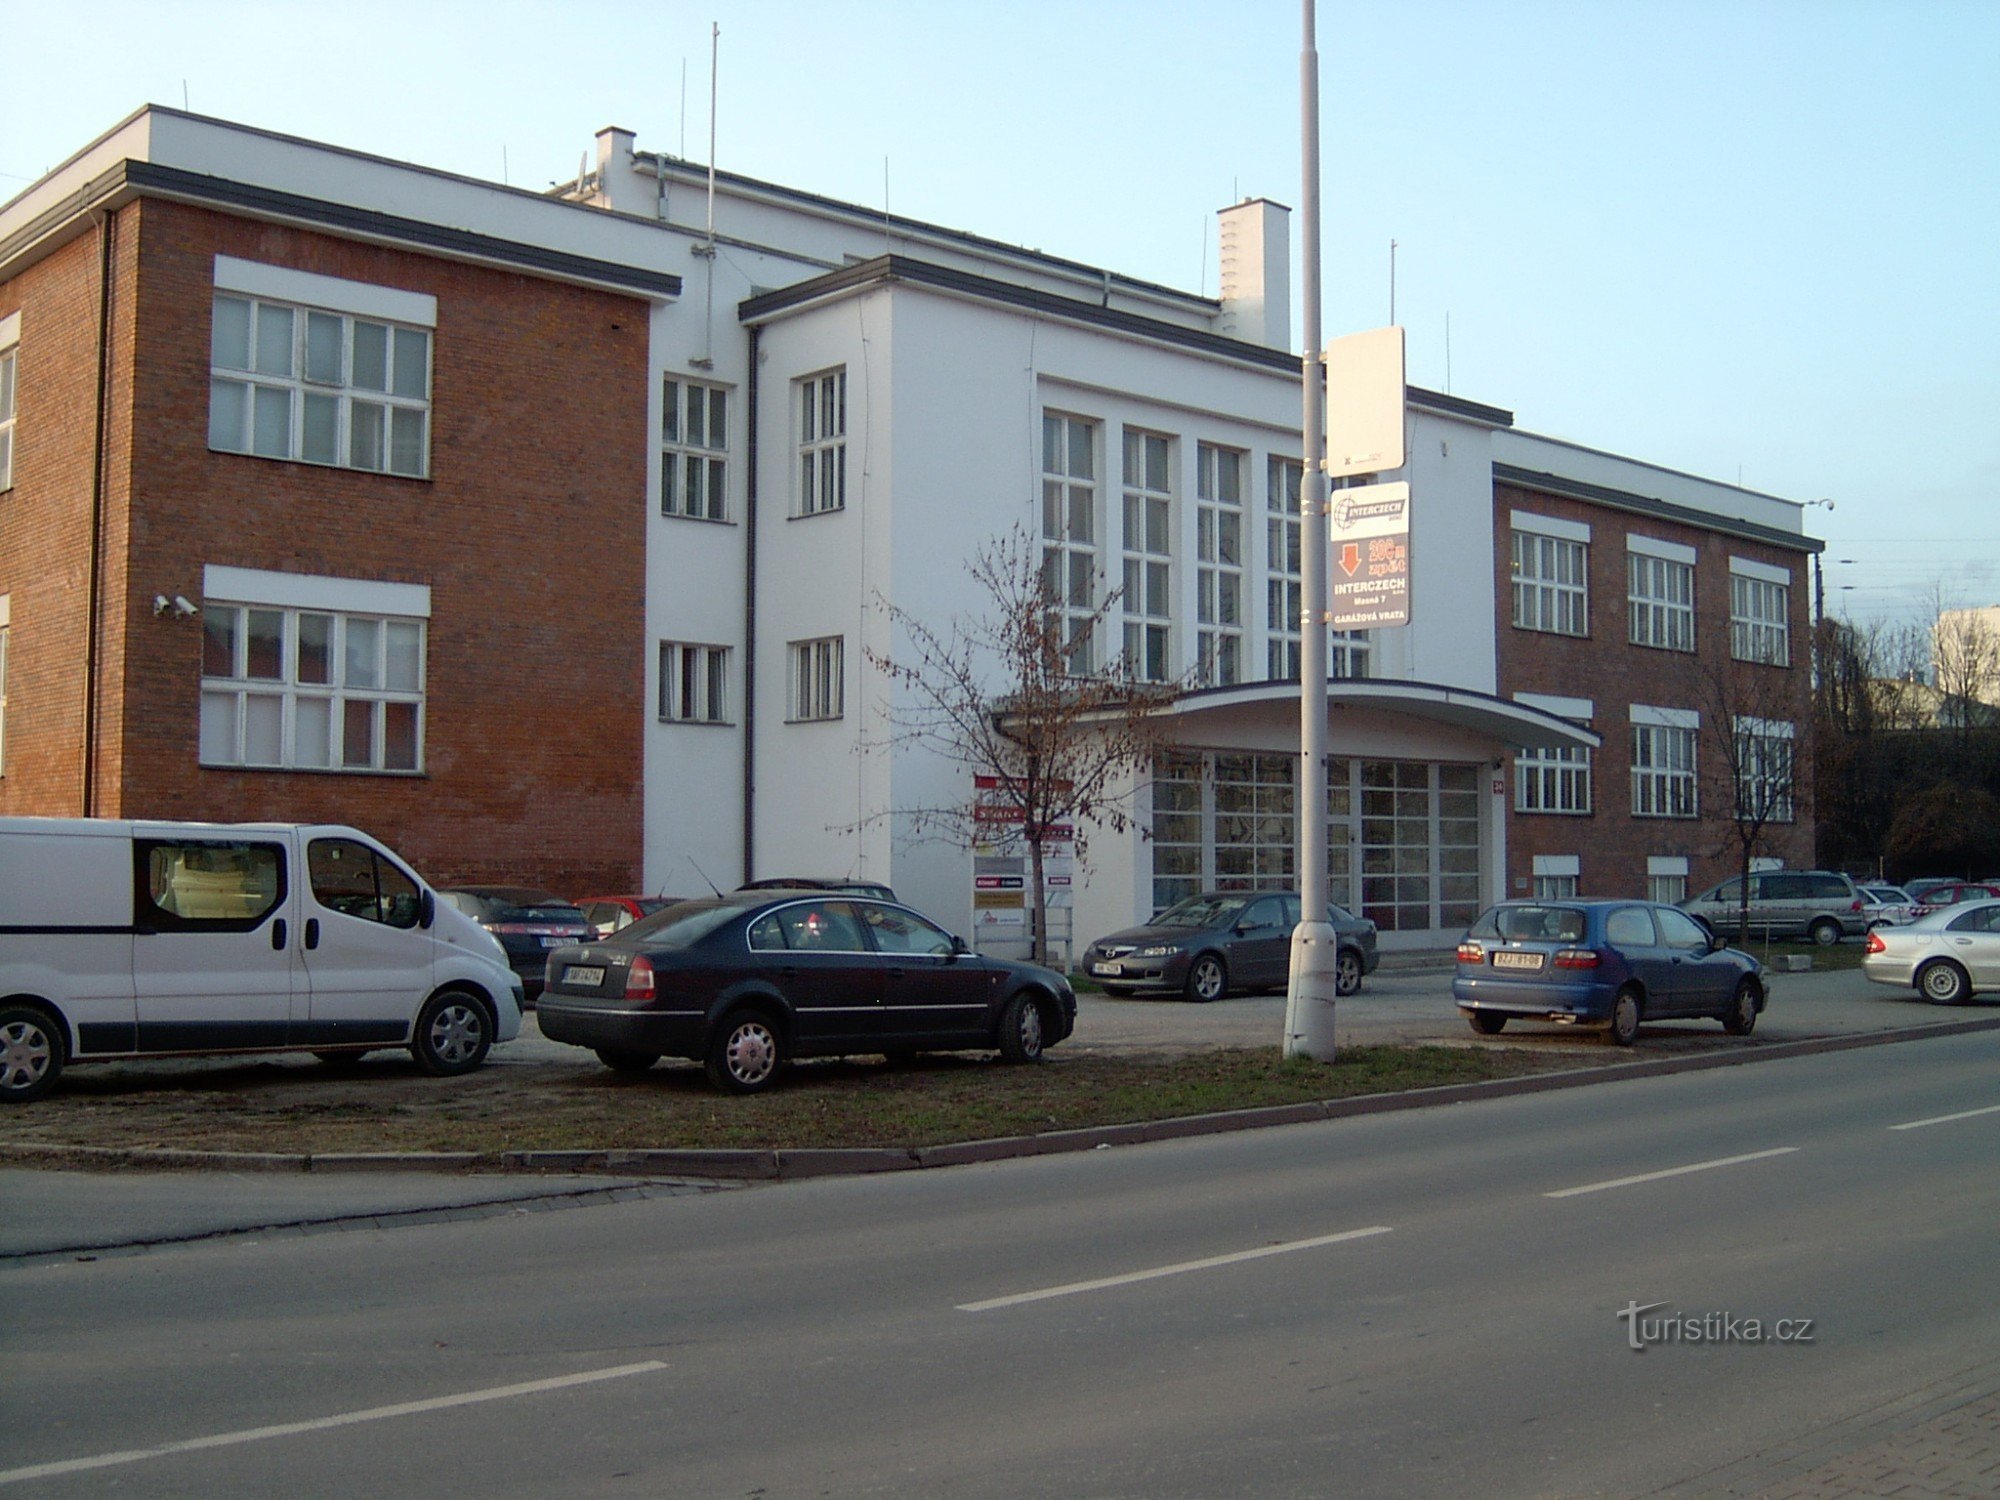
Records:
x=195, y=886
x=353, y=879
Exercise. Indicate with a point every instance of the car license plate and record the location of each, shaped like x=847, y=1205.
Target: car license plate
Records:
x=1507, y=960
x=583, y=974
x=1112, y=969
x=559, y=940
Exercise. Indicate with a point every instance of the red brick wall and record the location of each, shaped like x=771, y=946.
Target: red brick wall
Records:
x=529, y=533
x=1611, y=844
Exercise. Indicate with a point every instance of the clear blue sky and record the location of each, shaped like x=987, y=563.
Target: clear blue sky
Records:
x=1757, y=240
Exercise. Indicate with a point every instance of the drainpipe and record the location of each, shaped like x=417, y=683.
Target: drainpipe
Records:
x=750, y=614
x=94, y=582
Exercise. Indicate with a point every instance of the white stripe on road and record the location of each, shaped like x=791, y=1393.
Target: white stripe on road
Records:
x=321, y=1424
x=1964, y=1114
x=1187, y=1265
x=1700, y=1166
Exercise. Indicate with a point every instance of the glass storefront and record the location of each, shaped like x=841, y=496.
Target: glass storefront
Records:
x=1402, y=836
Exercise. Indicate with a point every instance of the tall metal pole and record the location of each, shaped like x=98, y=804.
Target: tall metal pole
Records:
x=1309, y=994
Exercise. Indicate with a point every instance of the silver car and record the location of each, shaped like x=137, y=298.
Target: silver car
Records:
x=1944, y=957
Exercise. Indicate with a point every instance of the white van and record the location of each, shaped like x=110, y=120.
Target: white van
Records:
x=132, y=939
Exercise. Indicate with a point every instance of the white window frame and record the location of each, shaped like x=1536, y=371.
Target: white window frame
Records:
x=1556, y=876
x=694, y=683
x=1760, y=619
x=816, y=679
x=1665, y=744
x=10, y=393
x=1766, y=769
x=1284, y=568
x=1659, y=593
x=1071, y=527
x=694, y=449
x=822, y=430
x=1550, y=562
x=1147, y=600
x=357, y=685
x=1553, y=779
x=1667, y=878
x=298, y=357
x=1220, y=547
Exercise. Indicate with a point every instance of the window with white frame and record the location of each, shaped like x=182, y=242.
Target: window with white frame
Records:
x=1284, y=568
x=1557, y=876
x=694, y=448
x=1551, y=562
x=1764, y=770
x=1663, y=762
x=1552, y=779
x=1667, y=878
x=816, y=678
x=1760, y=601
x=1070, y=531
x=310, y=688
x=694, y=683
x=822, y=443
x=10, y=340
x=1219, y=563
x=1148, y=556
x=319, y=370
x=1660, y=593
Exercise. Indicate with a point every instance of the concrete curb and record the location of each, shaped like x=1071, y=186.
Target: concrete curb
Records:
x=787, y=1164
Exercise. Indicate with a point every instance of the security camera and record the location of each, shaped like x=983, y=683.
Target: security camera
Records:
x=160, y=604
x=182, y=607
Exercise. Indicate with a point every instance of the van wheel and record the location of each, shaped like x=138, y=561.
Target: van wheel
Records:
x=1625, y=1016
x=746, y=1054
x=1741, y=1017
x=453, y=1034
x=1347, y=972
x=1825, y=932
x=31, y=1054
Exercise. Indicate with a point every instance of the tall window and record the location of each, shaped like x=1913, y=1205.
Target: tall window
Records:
x=823, y=443
x=311, y=689
x=816, y=678
x=319, y=386
x=1552, y=780
x=1660, y=594
x=9, y=360
x=694, y=444
x=1148, y=591
x=1551, y=590
x=1069, y=530
x=1284, y=598
x=1219, y=563
x=1663, y=770
x=1764, y=762
x=1759, y=615
x=694, y=683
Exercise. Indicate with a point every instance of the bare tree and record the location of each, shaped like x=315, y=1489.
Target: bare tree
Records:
x=995, y=691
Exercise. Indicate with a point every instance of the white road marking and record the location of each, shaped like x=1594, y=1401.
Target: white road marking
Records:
x=1700, y=1166
x=321, y=1424
x=1964, y=1114
x=1187, y=1265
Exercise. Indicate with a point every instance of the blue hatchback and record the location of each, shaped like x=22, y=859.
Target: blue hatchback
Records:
x=1614, y=964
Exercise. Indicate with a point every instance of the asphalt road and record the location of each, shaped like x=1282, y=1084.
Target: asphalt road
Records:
x=1426, y=1302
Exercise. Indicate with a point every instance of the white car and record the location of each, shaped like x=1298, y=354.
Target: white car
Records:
x=1887, y=906
x=1944, y=956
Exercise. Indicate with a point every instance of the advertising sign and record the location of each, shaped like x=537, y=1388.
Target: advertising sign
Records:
x=1368, y=544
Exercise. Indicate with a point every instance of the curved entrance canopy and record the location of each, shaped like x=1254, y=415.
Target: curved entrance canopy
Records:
x=1504, y=723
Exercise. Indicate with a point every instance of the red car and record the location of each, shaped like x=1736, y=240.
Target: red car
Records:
x=609, y=914
x=1951, y=893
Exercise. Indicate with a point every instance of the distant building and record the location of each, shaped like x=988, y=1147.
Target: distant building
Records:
x=1965, y=653
x=612, y=502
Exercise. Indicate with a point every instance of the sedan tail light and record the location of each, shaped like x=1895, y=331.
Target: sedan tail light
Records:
x=1578, y=958
x=1875, y=943
x=639, y=981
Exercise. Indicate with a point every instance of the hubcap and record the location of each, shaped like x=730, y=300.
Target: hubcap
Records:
x=1208, y=983
x=455, y=1034
x=752, y=1052
x=1031, y=1028
x=24, y=1055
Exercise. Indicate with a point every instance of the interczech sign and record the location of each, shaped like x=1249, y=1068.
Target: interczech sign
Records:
x=1368, y=545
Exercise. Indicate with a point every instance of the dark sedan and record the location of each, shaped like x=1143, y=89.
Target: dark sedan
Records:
x=1602, y=963
x=743, y=983
x=1219, y=941
x=526, y=922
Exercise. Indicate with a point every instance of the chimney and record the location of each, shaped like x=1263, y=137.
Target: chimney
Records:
x=1256, y=264
x=617, y=185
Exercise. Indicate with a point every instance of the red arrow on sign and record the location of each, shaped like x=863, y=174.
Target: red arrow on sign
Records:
x=1350, y=558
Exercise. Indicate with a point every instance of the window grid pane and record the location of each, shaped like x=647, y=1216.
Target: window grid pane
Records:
x=1069, y=531
x=1550, y=584
x=694, y=442
x=823, y=443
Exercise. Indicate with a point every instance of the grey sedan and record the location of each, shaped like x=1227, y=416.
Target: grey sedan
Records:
x=1219, y=941
x=1944, y=956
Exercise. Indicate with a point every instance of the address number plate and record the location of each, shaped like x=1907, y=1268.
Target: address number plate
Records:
x=583, y=974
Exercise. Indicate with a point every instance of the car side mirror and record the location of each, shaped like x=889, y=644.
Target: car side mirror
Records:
x=959, y=947
x=1717, y=942
x=427, y=910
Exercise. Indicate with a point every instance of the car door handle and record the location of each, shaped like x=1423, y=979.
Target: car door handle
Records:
x=278, y=935
x=312, y=932
x=898, y=973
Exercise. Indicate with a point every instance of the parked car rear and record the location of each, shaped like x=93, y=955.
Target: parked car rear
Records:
x=526, y=922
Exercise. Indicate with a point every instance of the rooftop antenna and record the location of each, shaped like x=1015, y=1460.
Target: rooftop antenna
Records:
x=684, y=109
x=1447, y=353
x=706, y=249
x=504, y=181
x=1392, y=283
x=888, y=247
x=184, y=97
